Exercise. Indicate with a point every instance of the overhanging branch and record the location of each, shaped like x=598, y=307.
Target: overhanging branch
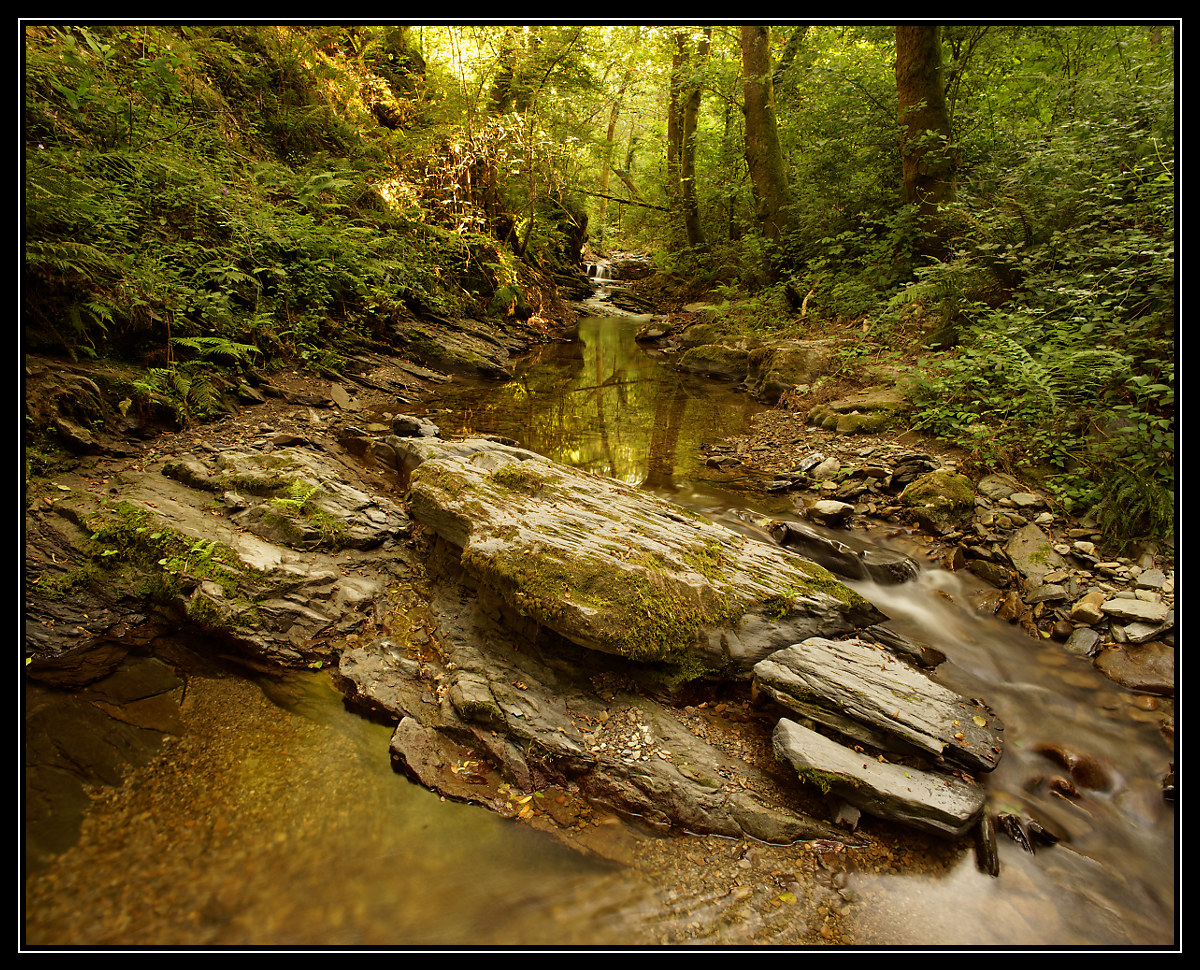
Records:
x=602, y=195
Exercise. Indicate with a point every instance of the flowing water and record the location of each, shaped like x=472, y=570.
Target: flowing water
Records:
x=275, y=818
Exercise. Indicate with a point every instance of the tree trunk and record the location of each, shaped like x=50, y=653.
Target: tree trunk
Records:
x=687, y=158
x=606, y=171
x=675, y=124
x=927, y=158
x=764, y=156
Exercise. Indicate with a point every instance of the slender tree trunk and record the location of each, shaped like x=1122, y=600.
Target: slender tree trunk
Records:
x=926, y=153
x=764, y=156
x=675, y=121
x=687, y=159
x=606, y=171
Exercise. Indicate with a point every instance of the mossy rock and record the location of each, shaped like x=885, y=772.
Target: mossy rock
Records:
x=939, y=499
x=619, y=571
x=716, y=360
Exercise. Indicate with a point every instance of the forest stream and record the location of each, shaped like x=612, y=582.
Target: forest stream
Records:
x=271, y=815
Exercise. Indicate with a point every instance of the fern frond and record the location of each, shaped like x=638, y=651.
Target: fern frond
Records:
x=215, y=348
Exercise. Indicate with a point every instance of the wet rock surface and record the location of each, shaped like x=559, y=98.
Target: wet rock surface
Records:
x=615, y=569
x=1047, y=572
x=290, y=542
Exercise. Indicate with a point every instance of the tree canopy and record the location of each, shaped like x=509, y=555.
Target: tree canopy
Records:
x=1003, y=195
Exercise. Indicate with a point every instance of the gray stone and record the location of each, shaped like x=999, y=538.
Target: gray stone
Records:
x=409, y=426
x=618, y=570
x=830, y=512
x=934, y=802
x=1151, y=579
x=1032, y=553
x=997, y=487
x=1082, y=642
x=1135, y=610
x=866, y=694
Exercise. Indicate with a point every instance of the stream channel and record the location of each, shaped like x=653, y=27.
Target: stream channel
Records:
x=272, y=816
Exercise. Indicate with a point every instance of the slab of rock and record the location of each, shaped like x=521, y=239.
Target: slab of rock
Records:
x=864, y=693
x=489, y=706
x=264, y=568
x=935, y=802
x=1134, y=610
x=1148, y=667
x=840, y=558
x=464, y=346
x=1032, y=553
x=615, y=569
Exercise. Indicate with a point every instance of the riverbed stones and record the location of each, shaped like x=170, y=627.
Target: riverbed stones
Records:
x=411, y=426
x=617, y=570
x=1032, y=553
x=1088, y=609
x=939, y=500
x=1132, y=609
x=1147, y=667
x=830, y=512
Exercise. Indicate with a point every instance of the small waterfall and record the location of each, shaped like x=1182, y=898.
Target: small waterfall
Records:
x=600, y=270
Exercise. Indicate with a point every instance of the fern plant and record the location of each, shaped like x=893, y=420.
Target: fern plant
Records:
x=187, y=392
x=220, y=350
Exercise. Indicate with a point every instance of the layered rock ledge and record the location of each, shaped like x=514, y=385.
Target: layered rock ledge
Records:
x=617, y=570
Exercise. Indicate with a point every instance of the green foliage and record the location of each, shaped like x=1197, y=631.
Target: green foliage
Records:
x=214, y=197
x=186, y=392
x=219, y=184
x=1067, y=273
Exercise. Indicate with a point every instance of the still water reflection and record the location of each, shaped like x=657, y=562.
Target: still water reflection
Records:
x=604, y=404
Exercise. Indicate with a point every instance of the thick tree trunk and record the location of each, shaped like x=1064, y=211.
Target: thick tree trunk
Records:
x=764, y=156
x=927, y=156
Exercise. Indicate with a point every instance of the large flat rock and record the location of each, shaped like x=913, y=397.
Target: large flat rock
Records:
x=865, y=693
x=616, y=569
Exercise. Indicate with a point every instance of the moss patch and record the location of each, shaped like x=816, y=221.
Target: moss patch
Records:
x=940, y=491
x=639, y=612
